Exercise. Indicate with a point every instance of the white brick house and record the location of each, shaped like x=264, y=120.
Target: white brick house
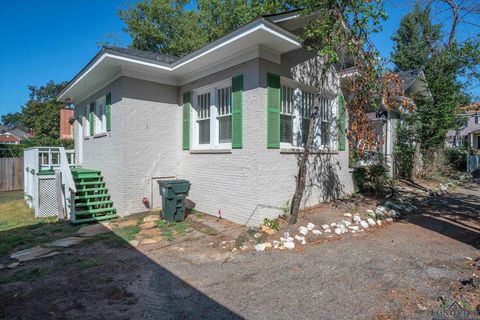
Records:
x=227, y=117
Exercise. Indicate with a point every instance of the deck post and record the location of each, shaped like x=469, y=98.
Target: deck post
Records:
x=58, y=184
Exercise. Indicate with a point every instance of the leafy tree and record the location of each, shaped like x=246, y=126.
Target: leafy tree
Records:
x=415, y=40
x=341, y=29
x=13, y=120
x=41, y=114
x=165, y=26
x=419, y=44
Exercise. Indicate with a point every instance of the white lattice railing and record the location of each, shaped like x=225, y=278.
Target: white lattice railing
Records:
x=44, y=162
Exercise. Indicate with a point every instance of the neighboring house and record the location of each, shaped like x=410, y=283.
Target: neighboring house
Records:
x=414, y=84
x=469, y=135
x=12, y=136
x=229, y=117
x=66, y=126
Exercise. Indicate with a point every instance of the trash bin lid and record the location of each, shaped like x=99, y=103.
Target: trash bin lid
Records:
x=177, y=186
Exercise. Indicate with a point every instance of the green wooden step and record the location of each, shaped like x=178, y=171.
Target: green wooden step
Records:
x=92, y=196
x=86, y=176
x=93, y=203
x=94, y=211
x=93, y=219
x=91, y=189
x=89, y=183
x=81, y=170
x=97, y=203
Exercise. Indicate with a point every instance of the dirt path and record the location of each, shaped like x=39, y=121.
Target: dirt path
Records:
x=395, y=272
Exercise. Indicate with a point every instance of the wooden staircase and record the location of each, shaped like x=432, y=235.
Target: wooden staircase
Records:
x=92, y=201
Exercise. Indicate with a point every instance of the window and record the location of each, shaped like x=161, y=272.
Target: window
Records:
x=100, y=117
x=307, y=108
x=286, y=114
x=86, y=121
x=295, y=114
x=477, y=119
x=212, y=111
x=203, y=105
x=224, y=99
x=324, y=118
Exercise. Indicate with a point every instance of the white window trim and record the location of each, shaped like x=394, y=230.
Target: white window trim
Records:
x=297, y=144
x=214, y=126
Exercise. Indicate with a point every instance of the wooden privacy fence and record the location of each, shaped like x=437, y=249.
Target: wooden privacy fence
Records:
x=11, y=174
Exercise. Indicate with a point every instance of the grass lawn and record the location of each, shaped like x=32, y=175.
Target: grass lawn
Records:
x=20, y=229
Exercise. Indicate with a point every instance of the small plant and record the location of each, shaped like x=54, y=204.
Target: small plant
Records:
x=86, y=263
x=24, y=275
x=285, y=209
x=272, y=223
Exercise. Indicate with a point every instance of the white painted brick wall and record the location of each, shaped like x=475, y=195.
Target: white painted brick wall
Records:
x=246, y=185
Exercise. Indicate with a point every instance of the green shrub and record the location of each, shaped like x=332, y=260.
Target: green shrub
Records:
x=272, y=223
x=371, y=179
x=456, y=158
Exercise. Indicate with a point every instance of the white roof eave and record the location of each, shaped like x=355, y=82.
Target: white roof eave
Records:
x=283, y=41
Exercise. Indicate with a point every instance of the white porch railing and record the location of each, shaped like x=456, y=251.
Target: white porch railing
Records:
x=41, y=193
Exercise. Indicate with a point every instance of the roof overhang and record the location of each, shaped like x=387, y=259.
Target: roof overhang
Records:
x=257, y=38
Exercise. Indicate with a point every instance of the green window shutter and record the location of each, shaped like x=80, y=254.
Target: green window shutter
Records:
x=273, y=111
x=237, y=104
x=186, y=120
x=92, y=118
x=341, y=124
x=108, y=114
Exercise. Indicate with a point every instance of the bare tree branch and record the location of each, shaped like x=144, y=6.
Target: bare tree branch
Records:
x=453, y=5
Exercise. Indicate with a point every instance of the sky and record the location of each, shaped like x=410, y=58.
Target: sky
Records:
x=42, y=40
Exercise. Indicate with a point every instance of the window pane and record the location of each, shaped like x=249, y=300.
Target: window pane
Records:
x=204, y=131
x=225, y=129
x=305, y=127
x=286, y=125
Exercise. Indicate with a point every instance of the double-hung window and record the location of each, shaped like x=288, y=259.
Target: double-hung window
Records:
x=224, y=117
x=86, y=121
x=307, y=108
x=286, y=114
x=100, y=117
x=324, y=121
x=203, y=118
x=296, y=107
x=212, y=114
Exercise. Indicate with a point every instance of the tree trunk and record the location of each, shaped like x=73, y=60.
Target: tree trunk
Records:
x=302, y=167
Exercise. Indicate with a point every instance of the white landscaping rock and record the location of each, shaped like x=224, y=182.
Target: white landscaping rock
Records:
x=317, y=232
x=333, y=224
x=357, y=219
x=348, y=215
x=389, y=220
x=353, y=228
x=325, y=226
x=346, y=223
x=303, y=230
x=276, y=243
x=379, y=222
x=260, y=247
x=370, y=213
x=299, y=238
x=338, y=231
x=310, y=226
x=289, y=245
x=289, y=239
x=364, y=224
x=371, y=222
x=328, y=230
